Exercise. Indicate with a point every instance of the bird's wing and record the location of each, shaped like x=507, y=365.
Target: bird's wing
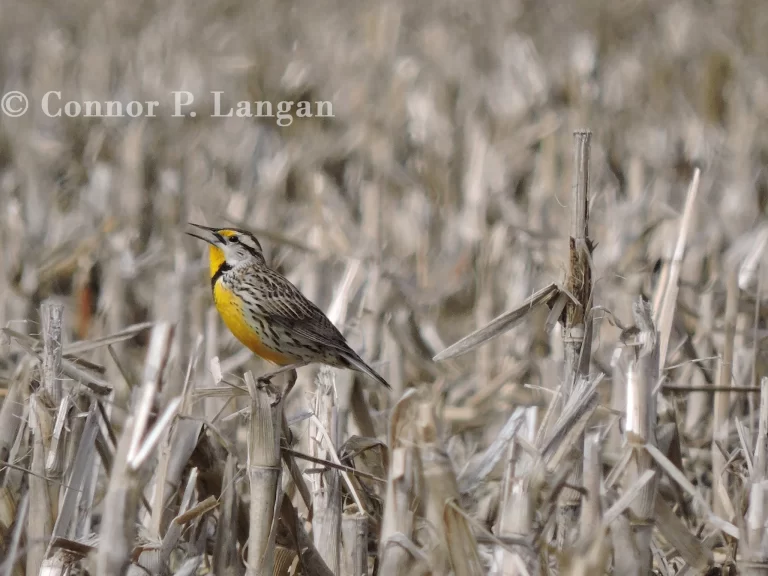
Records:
x=281, y=302
x=322, y=331
x=317, y=329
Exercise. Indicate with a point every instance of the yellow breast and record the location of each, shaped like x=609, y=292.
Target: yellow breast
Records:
x=231, y=307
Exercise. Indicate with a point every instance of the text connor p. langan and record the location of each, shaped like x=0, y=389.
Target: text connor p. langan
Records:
x=183, y=105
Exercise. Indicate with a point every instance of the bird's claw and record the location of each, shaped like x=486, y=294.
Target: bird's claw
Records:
x=266, y=382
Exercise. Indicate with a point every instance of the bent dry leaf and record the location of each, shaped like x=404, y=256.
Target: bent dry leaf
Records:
x=500, y=324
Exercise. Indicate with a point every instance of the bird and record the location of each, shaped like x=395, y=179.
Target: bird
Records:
x=266, y=312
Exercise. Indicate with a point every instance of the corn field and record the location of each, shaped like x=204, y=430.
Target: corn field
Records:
x=542, y=222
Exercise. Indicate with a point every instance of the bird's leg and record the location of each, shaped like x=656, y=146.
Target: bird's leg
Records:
x=292, y=377
x=266, y=379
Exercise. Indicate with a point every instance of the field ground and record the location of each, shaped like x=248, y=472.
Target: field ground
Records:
x=613, y=420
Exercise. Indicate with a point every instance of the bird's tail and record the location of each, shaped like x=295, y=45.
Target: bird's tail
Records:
x=357, y=363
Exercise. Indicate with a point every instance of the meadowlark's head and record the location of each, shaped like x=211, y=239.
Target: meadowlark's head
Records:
x=229, y=247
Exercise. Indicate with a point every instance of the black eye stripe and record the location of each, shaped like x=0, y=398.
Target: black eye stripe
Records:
x=249, y=250
x=243, y=238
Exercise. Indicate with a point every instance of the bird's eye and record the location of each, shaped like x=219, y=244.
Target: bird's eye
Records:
x=233, y=239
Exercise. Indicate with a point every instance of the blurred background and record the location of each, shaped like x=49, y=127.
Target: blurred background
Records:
x=444, y=176
x=436, y=198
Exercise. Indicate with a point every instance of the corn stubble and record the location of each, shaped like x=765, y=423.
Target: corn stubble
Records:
x=572, y=321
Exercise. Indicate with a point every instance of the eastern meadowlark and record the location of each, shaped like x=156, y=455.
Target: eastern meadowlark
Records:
x=266, y=312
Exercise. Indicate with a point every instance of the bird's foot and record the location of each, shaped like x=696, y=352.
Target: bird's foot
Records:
x=265, y=380
x=266, y=384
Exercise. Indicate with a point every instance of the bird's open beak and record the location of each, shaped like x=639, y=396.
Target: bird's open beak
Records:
x=207, y=235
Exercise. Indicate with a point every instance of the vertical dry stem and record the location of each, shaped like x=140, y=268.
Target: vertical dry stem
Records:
x=697, y=414
x=225, y=556
x=371, y=214
x=264, y=472
x=516, y=509
x=642, y=377
x=51, y=314
x=577, y=333
x=42, y=503
x=403, y=481
x=754, y=551
x=721, y=423
x=515, y=520
x=593, y=473
x=118, y=527
x=326, y=524
x=579, y=282
x=455, y=547
x=354, y=533
x=761, y=447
